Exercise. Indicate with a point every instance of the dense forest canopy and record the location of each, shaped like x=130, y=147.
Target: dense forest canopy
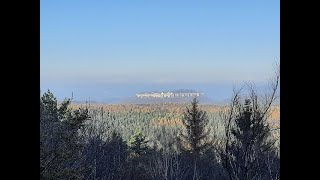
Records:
x=132, y=141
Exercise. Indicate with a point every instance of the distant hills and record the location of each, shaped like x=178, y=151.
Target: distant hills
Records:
x=175, y=91
x=137, y=100
x=172, y=96
x=169, y=94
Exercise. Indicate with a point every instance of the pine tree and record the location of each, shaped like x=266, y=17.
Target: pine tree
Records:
x=194, y=139
x=59, y=143
x=194, y=142
x=138, y=144
x=248, y=143
x=138, y=161
x=249, y=148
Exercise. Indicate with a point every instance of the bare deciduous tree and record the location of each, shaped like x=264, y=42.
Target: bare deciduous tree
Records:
x=248, y=135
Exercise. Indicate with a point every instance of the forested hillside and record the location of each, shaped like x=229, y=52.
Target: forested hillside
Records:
x=159, y=122
x=159, y=141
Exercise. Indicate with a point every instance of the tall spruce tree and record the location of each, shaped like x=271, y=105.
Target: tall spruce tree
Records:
x=249, y=145
x=194, y=140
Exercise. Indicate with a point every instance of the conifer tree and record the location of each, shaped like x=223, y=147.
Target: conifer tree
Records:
x=138, y=144
x=248, y=144
x=60, y=146
x=194, y=139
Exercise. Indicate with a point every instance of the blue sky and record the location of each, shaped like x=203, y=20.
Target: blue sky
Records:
x=157, y=42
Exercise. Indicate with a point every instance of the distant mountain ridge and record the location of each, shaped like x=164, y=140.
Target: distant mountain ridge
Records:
x=174, y=91
x=170, y=94
x=136, y=100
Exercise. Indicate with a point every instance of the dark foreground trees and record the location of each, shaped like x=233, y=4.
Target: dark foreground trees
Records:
x=249, y=151
x=71, y=147
x=196, y=145
x=60, y=154
x=195, y=139
x=249, y=144
x=105, y=158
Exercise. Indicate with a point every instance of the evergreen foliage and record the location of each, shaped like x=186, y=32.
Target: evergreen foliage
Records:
x=96, y=143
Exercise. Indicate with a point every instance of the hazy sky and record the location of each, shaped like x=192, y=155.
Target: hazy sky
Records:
x=158, y=41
